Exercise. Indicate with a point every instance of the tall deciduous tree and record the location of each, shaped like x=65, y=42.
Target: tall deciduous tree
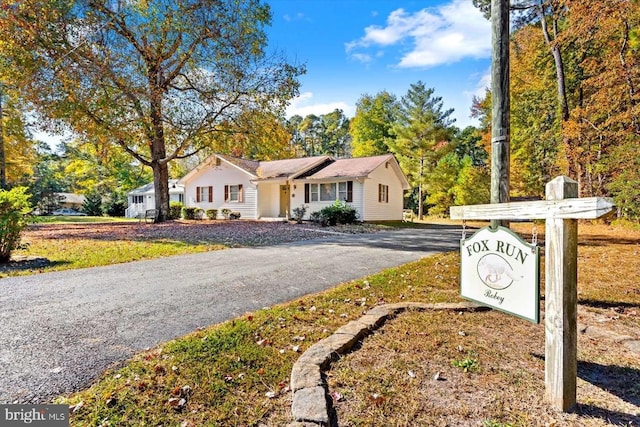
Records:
x=153, y=77
x=336, y=140
x=422, y=131
x=605, y=125
x=254, y=134
x=371, y=125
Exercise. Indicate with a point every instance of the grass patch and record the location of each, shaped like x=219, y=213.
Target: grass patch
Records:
x=65, y=254
x=422, y=368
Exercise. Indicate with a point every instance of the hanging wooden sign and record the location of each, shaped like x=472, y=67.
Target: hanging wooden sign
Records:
x=500, y=270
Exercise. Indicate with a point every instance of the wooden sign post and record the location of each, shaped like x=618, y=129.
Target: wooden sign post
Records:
x=560, y=211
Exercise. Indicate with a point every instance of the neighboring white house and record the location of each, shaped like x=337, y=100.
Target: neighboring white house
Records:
x=374, y=186
x=143, y=198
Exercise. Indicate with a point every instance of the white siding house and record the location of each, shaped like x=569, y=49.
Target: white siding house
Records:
x=272, y=189
x=143, y=198
x=374, y=186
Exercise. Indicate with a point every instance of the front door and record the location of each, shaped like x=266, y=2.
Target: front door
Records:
x=284, y=201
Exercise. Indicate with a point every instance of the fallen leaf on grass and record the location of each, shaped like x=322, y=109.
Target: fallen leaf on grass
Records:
x=270, y=394
x=376, y=399
x=75, y=408
x=177, y=404
x=264, y=342
x=336, y=396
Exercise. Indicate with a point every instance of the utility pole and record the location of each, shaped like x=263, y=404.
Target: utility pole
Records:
x=500, y=132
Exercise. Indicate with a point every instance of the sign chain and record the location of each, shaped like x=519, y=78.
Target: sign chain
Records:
x=534, y=235
x=464, y=229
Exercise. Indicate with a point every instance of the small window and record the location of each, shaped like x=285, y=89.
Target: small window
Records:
x=233, y=193
x=342, y=191
x=204, y=194
x=313, y=191
x=383, y=193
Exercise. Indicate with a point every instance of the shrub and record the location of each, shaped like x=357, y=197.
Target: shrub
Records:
x=225, y=213
x=212, y=213
x=116, y=205
x=92, y=204
x=234, y=215
x=175, y=210
x=199, y=213
x=338, y=213
x=14, y=217
x=298, y=213
x=189, y=213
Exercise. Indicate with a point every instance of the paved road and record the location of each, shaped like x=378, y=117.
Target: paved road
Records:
x=59, y=331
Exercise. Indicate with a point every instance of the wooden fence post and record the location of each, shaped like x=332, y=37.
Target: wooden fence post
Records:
x=561, y=278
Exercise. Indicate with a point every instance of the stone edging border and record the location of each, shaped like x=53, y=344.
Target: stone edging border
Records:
x=310, y=407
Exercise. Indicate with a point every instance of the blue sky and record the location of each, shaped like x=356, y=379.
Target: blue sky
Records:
x=356, y=47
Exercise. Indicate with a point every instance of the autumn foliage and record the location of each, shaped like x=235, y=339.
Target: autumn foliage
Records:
x=597, y=142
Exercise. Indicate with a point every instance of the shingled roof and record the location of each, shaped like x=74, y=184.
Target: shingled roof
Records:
x=351, y=168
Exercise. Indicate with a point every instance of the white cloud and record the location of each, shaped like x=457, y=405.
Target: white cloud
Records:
x=441, y=35
x=297, y=17
x=483, y=83
x=362, y=57
x=303, y=106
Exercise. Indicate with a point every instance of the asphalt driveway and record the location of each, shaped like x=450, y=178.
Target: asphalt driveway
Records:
x=60, y=330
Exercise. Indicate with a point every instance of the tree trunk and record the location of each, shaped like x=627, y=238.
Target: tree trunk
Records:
x=420, y=191
x=558, y=62
x=161, y=189
x=3, y=158
x=159, y=163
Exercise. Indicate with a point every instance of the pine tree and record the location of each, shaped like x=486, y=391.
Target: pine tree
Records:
x=422, y=131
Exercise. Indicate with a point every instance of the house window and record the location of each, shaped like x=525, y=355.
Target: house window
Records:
x=383, y=193
x=137, y=199
x=329, y=192
x=314, y=192
x=204, y=194
x=342, y=191
x=233, y=193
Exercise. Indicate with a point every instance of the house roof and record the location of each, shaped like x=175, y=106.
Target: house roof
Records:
x=72, y=198
x=358, y=167
x=310, y=168
x=247, y=165
x=265, y=169
x=288, y=168
x=351, y=168
x=149, y=188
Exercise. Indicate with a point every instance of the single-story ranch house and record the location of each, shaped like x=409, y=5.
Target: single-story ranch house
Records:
x=374, y=186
